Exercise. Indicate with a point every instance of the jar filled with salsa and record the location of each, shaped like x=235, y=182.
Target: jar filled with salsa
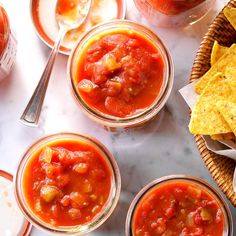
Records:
x=174, y=13
x=121, y=74
x=179, y=205
x=7, y=44
x=67, y=184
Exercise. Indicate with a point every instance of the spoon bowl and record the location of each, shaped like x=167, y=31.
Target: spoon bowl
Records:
x=71, y=14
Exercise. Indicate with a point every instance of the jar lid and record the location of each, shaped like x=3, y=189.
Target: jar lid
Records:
x=9, y=210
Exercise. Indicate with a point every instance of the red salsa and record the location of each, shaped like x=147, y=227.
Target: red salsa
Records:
x=174, y=7
x=120, y=73
x=4, y=30
x=67, y=183
x=178, y=208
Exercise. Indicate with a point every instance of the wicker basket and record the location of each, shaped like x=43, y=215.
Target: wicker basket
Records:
x=221, y=168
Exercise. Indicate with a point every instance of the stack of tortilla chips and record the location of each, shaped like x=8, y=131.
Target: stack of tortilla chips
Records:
x=215, y=110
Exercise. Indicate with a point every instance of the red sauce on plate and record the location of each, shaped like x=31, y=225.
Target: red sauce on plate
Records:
x=67, y=183
x=178, y=208
x=174, y=7
x=120, y=73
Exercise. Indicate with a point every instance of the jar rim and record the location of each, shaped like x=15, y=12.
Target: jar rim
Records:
x=172, y=178
x=100, y=218
x=147, y=113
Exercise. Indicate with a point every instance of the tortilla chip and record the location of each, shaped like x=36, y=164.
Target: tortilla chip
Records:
x=230, y=14
x=217, y=52
x=227, y=136
x=205, y=119
x=228, y=110
x=228, y=59
x=230, y=74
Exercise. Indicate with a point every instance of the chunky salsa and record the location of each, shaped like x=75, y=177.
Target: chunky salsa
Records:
x=178, y=208
x=67, y=183
x=174, y=7
x=120, y=73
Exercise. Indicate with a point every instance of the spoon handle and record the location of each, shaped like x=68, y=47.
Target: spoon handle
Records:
x=33, y=109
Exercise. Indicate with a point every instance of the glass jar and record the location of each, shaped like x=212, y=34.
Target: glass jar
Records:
x=7, y=44
x=105, y=212
x=174, y=13
x=173, y=179
x=114, y=122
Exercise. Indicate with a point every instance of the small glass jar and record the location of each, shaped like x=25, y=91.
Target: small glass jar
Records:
x=196, y=182
x=174, y=13
x=100, y=218
x=149, y=112
x=7, y=45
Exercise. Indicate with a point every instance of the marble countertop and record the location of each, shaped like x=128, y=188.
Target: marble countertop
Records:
x=161, y=148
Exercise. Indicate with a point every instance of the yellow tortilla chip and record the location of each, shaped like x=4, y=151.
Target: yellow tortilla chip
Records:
x=227, y=136
x=228, y=59
x=230, y=14
x=205, y=119
x=217, y=52
x=230, y=74
x=228, y=110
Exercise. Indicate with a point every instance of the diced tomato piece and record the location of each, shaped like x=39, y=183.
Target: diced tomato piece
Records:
x=65, y=201
x=46, y=155
x=111, y=63
x=63, y=180
x=79, y=199
x=114, y=87
x=161, y=226
x=197, y=218
x=49, y=193
x=74, y=213
x=86, y=86
x=81, y=168
x=52, y=170
x=66, y=157
x=170, y=212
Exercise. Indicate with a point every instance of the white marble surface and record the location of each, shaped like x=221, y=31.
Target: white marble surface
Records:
x=163, y=147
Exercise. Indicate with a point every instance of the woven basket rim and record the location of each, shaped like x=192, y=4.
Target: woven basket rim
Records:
x=220, y=167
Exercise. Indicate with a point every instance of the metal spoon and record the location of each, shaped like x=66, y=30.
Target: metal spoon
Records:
x=68, y=18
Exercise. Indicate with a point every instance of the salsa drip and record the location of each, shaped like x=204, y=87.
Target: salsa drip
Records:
x=174, y=7
x=67, y=183
x=175, y=209
x=120, y=73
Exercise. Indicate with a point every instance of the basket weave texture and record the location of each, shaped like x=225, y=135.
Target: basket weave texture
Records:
x=221, y=168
